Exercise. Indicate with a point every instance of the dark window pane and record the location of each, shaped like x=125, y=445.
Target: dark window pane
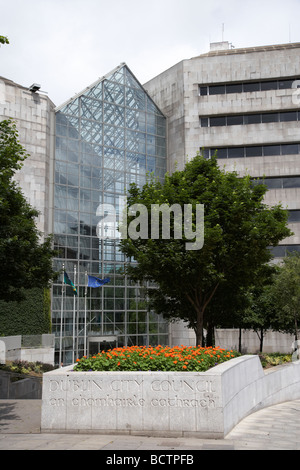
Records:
x=252, y=119
x=234, y=120
x=255, y=86
x=289, y=149
x=217, y=90
x=222, y=153
x=204, y=122
x=290, y=116
x=271, y=150
x=278, y=251
x=236, y=152
x=270, y=117
x=273, y=85
x=285, y=84
x=294, y=216
x=236, y=88
x=291, y=248
x=291, y=182
x=253, y=151
x=273, y=183
x=205, y=153
x=203, y=90
x=217, y=121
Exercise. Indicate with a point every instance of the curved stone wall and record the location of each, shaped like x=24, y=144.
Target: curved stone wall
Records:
x=207, y=404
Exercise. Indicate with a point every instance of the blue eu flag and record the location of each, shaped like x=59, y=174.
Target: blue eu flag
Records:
x=96, y=282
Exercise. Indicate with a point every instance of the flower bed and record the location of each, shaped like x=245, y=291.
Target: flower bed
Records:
x=159, y=358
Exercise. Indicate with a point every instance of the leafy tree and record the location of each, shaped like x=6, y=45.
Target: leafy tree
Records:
x=25, y=261
x=285, y=294
x=259, y=314
x=238, y=230
x=4, y=40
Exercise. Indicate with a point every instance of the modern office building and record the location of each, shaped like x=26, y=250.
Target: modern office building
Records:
x=33, y=113
x=107, y=137
x=83, y=156
x=242, y=103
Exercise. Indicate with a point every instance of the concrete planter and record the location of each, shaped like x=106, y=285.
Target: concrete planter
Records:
x=207, y=404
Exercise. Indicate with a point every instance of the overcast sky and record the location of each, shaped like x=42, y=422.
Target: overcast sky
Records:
x=65, y=45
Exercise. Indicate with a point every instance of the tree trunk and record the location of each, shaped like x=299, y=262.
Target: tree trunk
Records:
x=210, y=335
x=261, y=342
x=199, y=328
x=240, y=340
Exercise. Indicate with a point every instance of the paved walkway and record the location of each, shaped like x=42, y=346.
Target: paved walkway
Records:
x=273, y=428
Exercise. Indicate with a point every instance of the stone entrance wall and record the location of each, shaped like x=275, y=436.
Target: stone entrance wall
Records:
x=207, y=404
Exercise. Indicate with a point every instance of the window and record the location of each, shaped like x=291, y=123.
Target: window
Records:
x=249, y=87
x=271, y=150
x=289, y=116
x=253, y=151
x=218, y=121
x=290, y=149
x=293, y=182
x=246, y=119
x=204, y=122
x=294, y=216
x=252, y=119
x=236, y=152
x=273, y=85
x=246, y=87
x=234, y=88
x=222, y=153
x=258, y=151
x=270, y=117
x=217, y=90
x=283, y=84
x=235, y=120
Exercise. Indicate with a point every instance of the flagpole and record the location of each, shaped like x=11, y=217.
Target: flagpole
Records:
x=85, y=294
x=61, y=316
x=74, y=307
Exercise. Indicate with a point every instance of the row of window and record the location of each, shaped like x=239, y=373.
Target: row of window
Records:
x=280, y=183
x=244, y=119
x=282, y=250
x=246, y=87
x=252, y=151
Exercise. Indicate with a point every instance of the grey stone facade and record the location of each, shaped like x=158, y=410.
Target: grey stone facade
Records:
x=177, y=92
x=33, y=113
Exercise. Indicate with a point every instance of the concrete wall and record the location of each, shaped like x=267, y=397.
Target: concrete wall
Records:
x=11, y=349
x=16, y=387
x=273, y=342
x=180, y=334
x=33, y=113
x=207, y=405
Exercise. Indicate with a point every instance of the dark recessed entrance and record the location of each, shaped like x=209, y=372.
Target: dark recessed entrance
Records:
x=101, y=343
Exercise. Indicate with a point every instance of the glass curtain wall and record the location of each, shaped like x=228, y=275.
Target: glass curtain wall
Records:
x=107, y=137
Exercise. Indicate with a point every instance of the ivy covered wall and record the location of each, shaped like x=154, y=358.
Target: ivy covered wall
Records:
x=31, y=316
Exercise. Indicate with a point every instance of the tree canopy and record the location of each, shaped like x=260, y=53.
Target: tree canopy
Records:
x=25, y=261
x=4, y=40
x=238, y=230
x=285, y=295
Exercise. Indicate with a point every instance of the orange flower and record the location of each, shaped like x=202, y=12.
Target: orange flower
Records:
x=184, y=367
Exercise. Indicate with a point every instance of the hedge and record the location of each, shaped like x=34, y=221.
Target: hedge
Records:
x=31, y=316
